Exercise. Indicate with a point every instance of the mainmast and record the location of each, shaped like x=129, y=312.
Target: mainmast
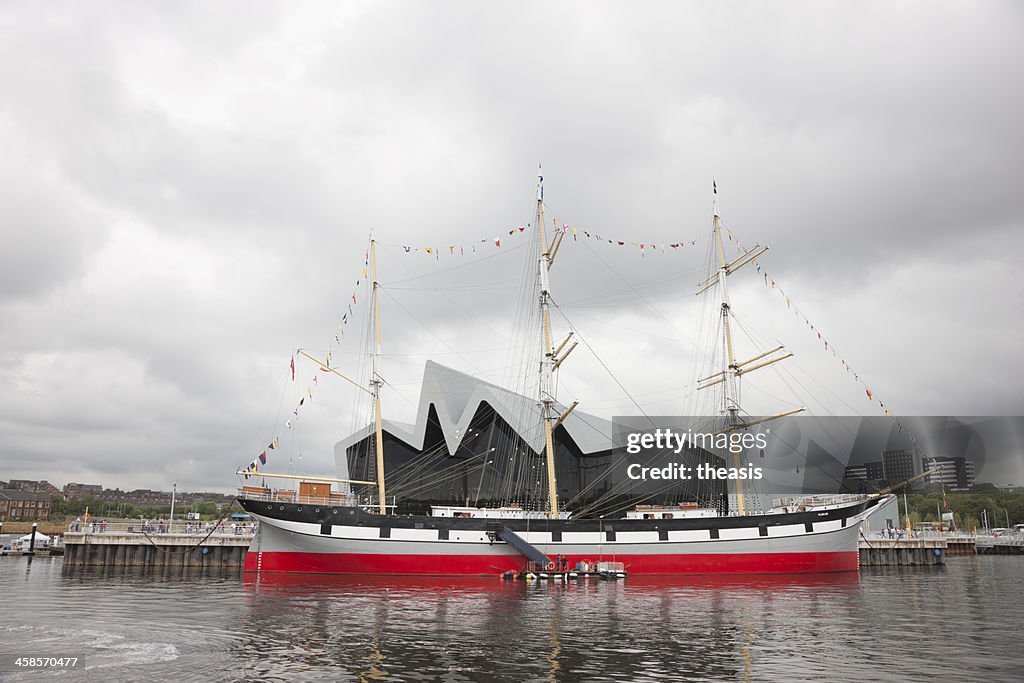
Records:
x=375, y=380
x=730, y=401
x=731, y=369
x=550, y=363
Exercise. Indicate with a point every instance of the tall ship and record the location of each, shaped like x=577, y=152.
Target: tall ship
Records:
x=495, y=493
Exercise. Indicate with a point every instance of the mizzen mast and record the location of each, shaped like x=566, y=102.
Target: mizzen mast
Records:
x=374, y=390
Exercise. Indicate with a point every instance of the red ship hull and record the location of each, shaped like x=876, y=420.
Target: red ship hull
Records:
x=477, y=565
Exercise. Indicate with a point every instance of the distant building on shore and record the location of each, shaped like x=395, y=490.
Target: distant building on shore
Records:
x=954, y=473
x=140, y=497
x=73, y=490
x=24, y=506
x=35, y=486
x=902, y=464
x=869, y=471
x=896, y=466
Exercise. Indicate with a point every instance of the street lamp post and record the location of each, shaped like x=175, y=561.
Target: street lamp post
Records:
x=174, y=491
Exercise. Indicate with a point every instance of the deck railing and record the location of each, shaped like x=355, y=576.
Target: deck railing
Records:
x=816, y=500
x=289, y=496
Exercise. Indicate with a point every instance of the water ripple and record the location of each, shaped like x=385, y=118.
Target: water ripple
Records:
x=953, y=623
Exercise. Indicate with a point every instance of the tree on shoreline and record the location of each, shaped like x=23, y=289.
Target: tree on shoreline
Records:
x=1003, y=508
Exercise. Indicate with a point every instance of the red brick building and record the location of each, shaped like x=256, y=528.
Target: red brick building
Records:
x=28, y=506
x=75, y=490
x=32, y=485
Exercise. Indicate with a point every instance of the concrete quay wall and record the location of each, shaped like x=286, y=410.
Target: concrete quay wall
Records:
x=218, y=551
x=907, y=552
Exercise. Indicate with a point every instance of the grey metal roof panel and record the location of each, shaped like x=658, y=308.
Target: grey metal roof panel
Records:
x=456, y=396
x=17, y=494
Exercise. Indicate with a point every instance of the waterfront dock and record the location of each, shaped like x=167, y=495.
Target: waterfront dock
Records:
x=1007, y=544
x=914, y=551
x=157, y=545
x=960, y=544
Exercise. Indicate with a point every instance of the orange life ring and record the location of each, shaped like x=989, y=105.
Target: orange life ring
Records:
x=551, y=566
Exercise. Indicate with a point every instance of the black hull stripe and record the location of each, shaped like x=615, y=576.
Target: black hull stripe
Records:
x=346, y=516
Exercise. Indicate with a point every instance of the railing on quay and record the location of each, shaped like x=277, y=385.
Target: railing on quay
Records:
x=154, y=527
x=894, y=533
x=1004, y=540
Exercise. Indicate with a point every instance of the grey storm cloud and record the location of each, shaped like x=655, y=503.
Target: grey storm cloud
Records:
x=188, y=192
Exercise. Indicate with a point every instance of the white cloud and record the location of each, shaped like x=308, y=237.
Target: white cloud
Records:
x=190, y=189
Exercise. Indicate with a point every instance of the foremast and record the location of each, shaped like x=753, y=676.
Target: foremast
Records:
x=551, y=360
x=375, y=382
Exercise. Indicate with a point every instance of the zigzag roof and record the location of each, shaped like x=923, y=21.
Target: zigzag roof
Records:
x=456, y=397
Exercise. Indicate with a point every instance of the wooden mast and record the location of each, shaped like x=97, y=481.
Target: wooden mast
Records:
x=375, y=381
x=730, y=403
x=731, y=369
x=546, y=398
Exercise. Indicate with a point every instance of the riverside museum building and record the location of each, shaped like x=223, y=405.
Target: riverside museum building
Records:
x=478, y=444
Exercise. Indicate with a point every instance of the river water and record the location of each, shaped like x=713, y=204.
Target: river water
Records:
x=954, y=623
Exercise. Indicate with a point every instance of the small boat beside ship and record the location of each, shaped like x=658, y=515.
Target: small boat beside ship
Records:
x=348, y=526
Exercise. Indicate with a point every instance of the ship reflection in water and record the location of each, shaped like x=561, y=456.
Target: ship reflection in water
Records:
x=699, y=627
x=958, y=622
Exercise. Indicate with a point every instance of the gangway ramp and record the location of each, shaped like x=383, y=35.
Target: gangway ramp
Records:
x=531, y=552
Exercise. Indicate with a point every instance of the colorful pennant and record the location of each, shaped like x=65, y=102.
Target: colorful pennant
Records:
x=457, y=249
x=254, y=466
x=771, y=283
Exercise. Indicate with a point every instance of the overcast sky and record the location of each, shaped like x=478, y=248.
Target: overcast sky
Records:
x=187, y=190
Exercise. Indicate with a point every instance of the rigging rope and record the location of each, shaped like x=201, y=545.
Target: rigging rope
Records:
x=199, y=543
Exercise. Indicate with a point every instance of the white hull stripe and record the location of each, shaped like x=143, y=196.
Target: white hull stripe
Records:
x=287, y=536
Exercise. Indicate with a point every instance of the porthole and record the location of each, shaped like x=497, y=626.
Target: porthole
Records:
x=282, y=507
x=299, y=509
x=315, y=510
